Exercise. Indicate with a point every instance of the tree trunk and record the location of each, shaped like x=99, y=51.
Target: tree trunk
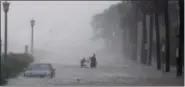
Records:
x=144, y=41
x=150, y=40
x=124, y=39
x=167, y=48
x=128, y=50
x=157, y=36
x=135, y=34
x=180, y=59
x=130, y=54
x=126, y=43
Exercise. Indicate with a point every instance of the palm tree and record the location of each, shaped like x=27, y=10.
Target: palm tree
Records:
x=127, y=38
x=180, y=59
x=126, y=24
x=167, y=53
x=150, y=12
x=144, y=41
x=157, y=35
x=134, y=28
x=143, y=8
x=150, y=40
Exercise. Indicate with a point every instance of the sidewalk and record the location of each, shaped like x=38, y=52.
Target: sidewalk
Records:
x=152, y=77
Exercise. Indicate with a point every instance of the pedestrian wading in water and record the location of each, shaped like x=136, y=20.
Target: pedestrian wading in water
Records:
x=91, y=61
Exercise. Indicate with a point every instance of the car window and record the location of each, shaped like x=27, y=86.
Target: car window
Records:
x=39, y=67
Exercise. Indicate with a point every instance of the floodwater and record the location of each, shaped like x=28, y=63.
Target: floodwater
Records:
x=129, y=74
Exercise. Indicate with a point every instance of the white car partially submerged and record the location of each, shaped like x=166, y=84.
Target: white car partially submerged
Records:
x=40, y=70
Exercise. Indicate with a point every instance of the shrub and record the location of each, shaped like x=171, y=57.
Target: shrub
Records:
x=14, y=64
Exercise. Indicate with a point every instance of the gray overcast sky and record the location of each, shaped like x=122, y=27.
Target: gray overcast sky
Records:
x=61, y=26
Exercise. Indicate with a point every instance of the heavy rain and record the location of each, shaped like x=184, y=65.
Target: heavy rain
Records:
x=100, y=43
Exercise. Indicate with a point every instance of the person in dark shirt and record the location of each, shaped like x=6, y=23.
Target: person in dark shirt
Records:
x=93, y=61
x=82, y=62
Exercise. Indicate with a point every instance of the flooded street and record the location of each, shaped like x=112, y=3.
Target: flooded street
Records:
x=125, y=42
x=131, y=74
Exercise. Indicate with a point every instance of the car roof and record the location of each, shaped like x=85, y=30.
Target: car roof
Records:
x=40, y=63
x=48, y=64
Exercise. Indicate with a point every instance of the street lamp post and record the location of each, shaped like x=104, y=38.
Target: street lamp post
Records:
x=1, y=82
x=32, y=33
x=6, y=8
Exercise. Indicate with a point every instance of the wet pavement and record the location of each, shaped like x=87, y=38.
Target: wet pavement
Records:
x=129, y=74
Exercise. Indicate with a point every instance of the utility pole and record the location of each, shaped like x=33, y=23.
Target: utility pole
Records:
x=32, y=35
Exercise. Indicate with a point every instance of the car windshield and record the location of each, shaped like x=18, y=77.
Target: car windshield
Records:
x=39, y=67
